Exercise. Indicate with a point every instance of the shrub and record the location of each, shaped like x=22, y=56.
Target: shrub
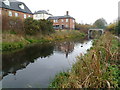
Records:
x=31, y=26
x=12, y=24
x=117, y=28
x=37, y=26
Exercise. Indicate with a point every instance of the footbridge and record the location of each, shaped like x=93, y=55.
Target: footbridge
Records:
x=91, y=30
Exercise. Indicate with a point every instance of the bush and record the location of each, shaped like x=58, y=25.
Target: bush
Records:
x=82, y=27
x=16, y=25
x=31, y=26
x=111, y=27
x=12, y=24
x=114, y=28
x=117, y=29
x=37, y=26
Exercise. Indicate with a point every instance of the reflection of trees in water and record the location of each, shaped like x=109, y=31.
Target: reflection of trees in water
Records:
x=18, y=60
x=65, y=47
x=68, y=46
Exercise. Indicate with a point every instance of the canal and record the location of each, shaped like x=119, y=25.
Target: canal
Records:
x=36, y=66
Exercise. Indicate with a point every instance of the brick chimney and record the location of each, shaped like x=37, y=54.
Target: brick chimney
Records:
x=67, y=13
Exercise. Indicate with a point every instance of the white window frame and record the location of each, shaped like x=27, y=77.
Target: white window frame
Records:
x=25, y=16
x=22, y=6
x=6, y=2
x=56, y=20
x=16, y=14
x=66, y=20
x=62, y=20
x=0, y=11
x=73, y=21
x=29, y=16
x=10, y=13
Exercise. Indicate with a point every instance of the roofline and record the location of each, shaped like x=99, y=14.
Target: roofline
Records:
x=43, y=13
x=17, y=10
x=62, y=18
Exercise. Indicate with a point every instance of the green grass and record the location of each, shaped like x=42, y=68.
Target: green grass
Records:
x=99, y=68
x=13, y=41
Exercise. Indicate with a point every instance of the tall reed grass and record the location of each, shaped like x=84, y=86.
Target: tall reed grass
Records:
x=99, y=68
x=14, y=41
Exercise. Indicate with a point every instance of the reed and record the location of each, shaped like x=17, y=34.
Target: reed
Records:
x=99, y=68
x=12, y=41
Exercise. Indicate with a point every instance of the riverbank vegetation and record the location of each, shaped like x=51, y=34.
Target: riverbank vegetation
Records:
x=18, y=33
x=99, y=68
x=114, y=28
x=15, y=41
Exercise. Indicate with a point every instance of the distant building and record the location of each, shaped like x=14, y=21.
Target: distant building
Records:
x=14, y=8
x=41, y=14
x=63, y=22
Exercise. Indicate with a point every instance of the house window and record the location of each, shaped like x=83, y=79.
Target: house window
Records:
x=62, y=20
x=10, y=13
x=29, y=16
x=0, y=12
x=56, y=20
x=21, y=6
x=66, y=20
x=73, y=21
x=25, y=16
x=16, y=14
x=6, y=2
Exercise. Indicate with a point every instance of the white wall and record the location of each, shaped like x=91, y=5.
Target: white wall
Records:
x=40, y=16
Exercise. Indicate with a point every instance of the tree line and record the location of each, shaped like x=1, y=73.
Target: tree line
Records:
x=100, y=24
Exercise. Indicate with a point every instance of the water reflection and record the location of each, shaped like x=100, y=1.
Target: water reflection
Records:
x=65, y=47
x=37, y=63
x=18, y=60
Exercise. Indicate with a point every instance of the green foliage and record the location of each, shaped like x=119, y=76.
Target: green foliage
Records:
x=97, y=69
x=111, y=27
x=82, y=27
x=112, y=74
x=11, y=41
x=58, y=79
x=117, y=29
x=33, y=27
x=12, y=46
x=100, y=23
x=114, y=28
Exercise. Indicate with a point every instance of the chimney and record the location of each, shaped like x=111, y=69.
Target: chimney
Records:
x=67, y=13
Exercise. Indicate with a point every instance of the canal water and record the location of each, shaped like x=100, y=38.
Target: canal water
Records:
x=36, y=66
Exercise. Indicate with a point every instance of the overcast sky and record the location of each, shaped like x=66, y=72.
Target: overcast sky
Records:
x=84, y=11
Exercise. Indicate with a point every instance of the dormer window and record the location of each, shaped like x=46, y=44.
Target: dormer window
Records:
x=21, y=6
x=6, y=2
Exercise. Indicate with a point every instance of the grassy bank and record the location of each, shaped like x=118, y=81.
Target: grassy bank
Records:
x=14, y=41
x=99, y=68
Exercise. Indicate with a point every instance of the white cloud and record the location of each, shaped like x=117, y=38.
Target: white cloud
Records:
x=86, y=11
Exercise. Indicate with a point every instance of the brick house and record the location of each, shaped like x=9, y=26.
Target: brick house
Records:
x=63, y=22
x=14, y=8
